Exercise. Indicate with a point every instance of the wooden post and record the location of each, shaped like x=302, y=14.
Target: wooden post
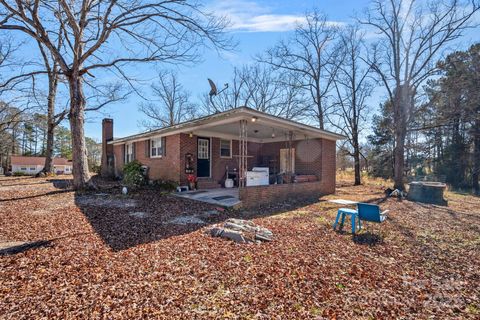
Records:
x=242, y=154
x=289, y=158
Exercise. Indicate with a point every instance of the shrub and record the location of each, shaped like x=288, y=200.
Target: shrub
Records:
x=132, y=174
x=19, y=174
x=166, y=185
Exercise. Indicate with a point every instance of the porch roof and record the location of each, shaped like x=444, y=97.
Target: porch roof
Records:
x=262, y=127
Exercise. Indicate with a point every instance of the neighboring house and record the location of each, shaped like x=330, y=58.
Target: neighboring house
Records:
x=33, y=165
x=267, y=156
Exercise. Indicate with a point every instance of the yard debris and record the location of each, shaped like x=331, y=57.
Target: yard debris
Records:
x=182, y=220
x=210, y=213
x=138, y=214
x=395, y=193
x=241, y=231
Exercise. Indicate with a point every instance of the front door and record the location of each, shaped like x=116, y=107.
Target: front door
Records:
x=203, y=157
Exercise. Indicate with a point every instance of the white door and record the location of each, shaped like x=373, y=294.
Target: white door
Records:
x=284, y=162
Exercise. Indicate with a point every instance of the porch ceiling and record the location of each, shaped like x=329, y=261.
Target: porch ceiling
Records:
x=255, y=132
x=260, y=130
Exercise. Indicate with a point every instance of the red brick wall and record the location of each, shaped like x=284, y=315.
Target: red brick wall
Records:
x=259, y=195
x=187, y=145
x=166, y=167
x=119, y=158
x=329, y=167
x=313, y=156
x=308, y=155
x=107, y=149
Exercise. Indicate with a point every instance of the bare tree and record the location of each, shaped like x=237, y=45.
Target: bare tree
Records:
x=293, y=102
x=109, y=34
x=310, y=54
x=352, y=88
x=260, y=90
x=172, y=104
x=259, y=86
x=413, y=35
x=53, y=118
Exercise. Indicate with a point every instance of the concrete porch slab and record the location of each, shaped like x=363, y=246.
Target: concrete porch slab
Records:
x=223, y=197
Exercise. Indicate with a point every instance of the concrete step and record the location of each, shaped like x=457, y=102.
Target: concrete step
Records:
x=207, y=183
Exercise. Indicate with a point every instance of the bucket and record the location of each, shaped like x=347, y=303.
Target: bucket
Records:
x=229, y=183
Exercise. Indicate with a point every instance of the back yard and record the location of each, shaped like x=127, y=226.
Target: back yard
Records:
x=105, y=255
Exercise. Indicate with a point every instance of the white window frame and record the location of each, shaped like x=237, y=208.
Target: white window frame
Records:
x=203, y=153
x=128, y=152
x=158, y=149
x=229, y=156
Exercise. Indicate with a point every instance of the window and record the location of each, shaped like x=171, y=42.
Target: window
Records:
x=128, y=152
x=156, y=147
x=203, y=149
x=225, y=148
x=23, y=168
x=32, y=168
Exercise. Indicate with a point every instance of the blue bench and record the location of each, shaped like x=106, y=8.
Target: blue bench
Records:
x=364, y=212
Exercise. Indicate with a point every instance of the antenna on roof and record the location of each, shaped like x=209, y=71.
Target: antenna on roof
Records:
x=213, y=90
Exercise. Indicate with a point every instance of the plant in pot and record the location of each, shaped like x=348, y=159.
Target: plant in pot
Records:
x=192, y=181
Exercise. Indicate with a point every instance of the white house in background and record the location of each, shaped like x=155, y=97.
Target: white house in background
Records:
x=33, y=165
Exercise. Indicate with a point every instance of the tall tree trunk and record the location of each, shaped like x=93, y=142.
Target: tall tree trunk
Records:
x=49, y=150
x=52, y=92
x=402, y=104
x=356, y=155
x=81, y=175
x=476, y=158
x=356, y=159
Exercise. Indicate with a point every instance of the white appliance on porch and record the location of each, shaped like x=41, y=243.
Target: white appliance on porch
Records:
x=259, y=176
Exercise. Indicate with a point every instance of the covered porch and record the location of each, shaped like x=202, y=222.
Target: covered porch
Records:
x=250, y=149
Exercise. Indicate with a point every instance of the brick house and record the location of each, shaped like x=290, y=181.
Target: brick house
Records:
x=266, y=156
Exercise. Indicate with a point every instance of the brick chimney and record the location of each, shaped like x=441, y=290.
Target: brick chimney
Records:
x=107, y=168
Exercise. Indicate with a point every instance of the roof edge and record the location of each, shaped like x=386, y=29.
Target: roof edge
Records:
x=188, y=125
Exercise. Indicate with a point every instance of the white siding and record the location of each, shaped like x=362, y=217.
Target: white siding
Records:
x=27, y=169
x=32, y=169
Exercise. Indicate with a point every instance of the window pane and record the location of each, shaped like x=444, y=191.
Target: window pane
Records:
x=203, y=149
x=156, y=146
x=225, y=148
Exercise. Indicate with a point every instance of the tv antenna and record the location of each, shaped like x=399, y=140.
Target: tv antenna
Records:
x=213, y=90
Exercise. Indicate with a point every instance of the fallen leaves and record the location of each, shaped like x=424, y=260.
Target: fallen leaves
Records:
x=111, y=259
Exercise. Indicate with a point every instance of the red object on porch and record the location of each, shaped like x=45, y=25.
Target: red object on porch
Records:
x=305, y=178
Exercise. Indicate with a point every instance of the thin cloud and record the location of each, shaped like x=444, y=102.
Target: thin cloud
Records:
x=249, y=16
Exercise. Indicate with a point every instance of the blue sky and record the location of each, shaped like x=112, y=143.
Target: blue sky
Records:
x=256, y=26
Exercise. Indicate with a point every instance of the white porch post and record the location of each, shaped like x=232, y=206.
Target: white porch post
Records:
x=289, y=163
x=242, y=154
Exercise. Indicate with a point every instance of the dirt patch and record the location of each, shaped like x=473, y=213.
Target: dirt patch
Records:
x=106, y=201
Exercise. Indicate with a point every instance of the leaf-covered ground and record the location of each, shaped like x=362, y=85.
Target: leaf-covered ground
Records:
x=104, y=255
